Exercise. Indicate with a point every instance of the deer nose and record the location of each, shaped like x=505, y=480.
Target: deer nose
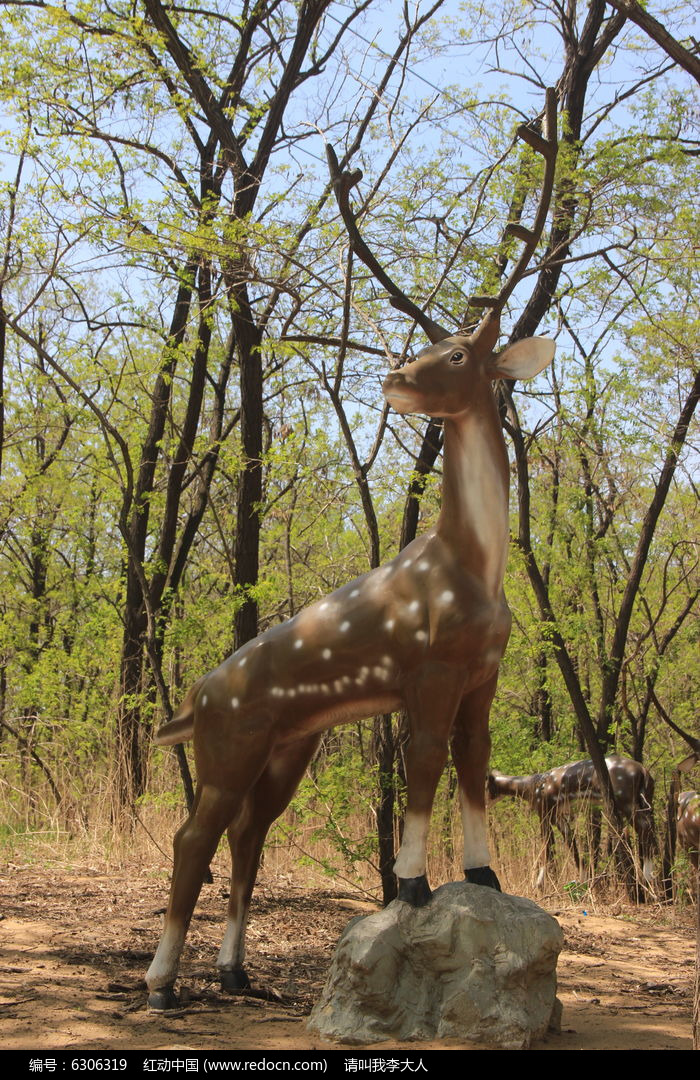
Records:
x=399, y=380
x=400, y=391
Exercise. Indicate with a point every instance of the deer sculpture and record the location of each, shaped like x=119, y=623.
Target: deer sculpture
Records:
x=688, y=825
x=553, y=795
x=682, y=810
x=425, y=632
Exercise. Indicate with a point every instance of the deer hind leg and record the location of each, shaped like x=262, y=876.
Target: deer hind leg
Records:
x=194, y=846
x=643, y=823
x=246, y=836
x=431, y=699
x=569, y=836
x=596, y=831
x=471, y=745
x=547, y=851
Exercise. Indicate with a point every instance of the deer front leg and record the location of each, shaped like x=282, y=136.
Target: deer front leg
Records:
x=246, y=836
x=431, y=700
x=471, y=746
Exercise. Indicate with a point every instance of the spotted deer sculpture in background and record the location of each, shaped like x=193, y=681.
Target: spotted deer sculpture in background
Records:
x=554, y=796
x=688, y=825
x=425, y=632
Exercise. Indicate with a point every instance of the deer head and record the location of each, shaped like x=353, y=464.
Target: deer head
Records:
x=441, y=380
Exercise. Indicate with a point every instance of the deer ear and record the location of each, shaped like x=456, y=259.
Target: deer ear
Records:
x=524, y=359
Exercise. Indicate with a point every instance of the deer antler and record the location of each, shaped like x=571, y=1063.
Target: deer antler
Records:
x=544, y=143
x=343, y=182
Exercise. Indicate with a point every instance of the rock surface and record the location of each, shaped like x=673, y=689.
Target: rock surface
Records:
x=474, y=964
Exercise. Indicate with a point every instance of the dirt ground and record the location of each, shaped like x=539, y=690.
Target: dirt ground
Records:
x=74, y=945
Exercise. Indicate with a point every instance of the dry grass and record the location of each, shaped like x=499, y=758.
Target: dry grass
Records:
x=33, y=831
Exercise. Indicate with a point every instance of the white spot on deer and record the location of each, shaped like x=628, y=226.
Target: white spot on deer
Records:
x=407, y=562
x=446, y=597
x=414, y=605
x=423, y=565
x=387, y=661
x=298, y=643
x=354, y=593
x=326, y=654
x=235, y=702
x=390, y=624
x=421, y=635
x=344, y=626
x=323, y=606
x=243, y=661
x=204, y=700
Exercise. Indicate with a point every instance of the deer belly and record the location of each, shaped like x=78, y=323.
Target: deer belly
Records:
x=340, y=712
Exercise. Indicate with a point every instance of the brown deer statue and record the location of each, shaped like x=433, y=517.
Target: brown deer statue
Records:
x=425, y=632
x=688, y=825
x=682, y=809
x=553, y=796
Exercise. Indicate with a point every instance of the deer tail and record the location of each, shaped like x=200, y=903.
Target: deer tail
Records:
x=179, y=729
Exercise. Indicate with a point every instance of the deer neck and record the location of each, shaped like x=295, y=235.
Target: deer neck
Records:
x=474, y=516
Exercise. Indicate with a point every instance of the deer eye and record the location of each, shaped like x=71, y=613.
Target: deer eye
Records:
x=457, y=358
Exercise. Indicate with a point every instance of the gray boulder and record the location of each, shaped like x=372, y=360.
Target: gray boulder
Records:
x=473, y=964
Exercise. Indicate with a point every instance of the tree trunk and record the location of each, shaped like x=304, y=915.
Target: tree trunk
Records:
x=131, y=766
x=384, y=754
x=249, y=495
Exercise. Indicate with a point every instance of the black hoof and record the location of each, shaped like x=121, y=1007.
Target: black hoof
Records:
x=482, y=875
x=163, y=999
x=234, y=979
x=414, y=891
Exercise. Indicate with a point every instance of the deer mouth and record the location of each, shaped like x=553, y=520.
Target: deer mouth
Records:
x=402, y=403
x=398, y=394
